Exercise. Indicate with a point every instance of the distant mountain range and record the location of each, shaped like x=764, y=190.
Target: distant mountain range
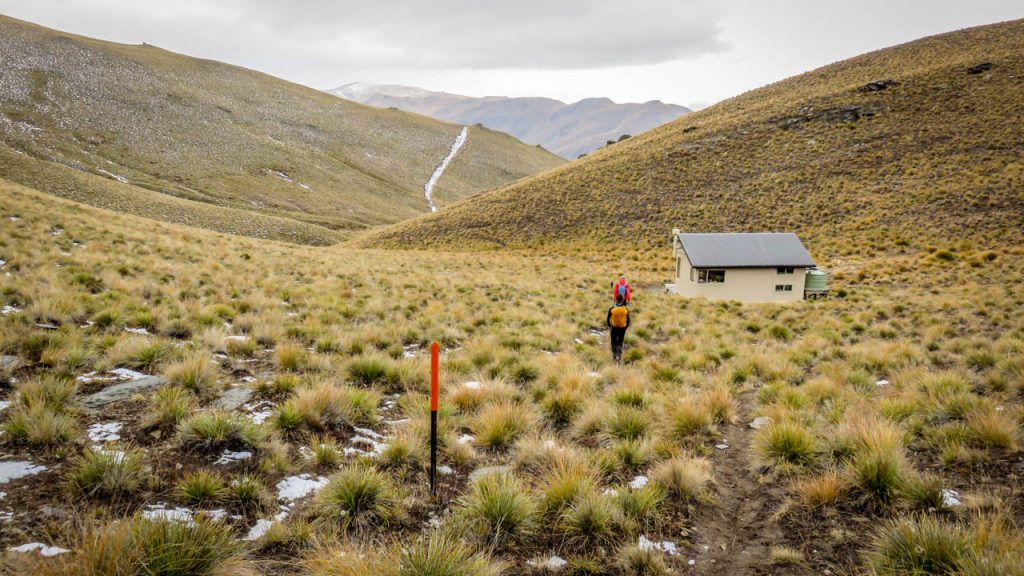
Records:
x=901, y=152
x=568, y=130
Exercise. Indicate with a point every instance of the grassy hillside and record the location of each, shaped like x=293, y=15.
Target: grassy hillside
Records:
x=926, y=159
x=287, y=431
x=221, y=136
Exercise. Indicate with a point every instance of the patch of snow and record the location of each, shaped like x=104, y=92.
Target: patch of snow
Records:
x=472, y=385
x=6, y=517
x=445, y=470
x=294, y=487
x=237, y=338
x=553, y=563
x=950, y=498
x=663, y=546
x=428, y=188
x=882, y=383
x=15, y=218
x=136, y=330
x=228, y=457
x=217, y=515
x=722, y=446
x=126, y=374
x=100, y=433
x=120, y=179
x=368, y=432
x=639, y=482
x=14, y=469
x=258, y=530
x=43, y=549
x=57, y=231
x=3, y=405
x=9, y=310
x=466, y=439
x=161, y=512
x=261, y=416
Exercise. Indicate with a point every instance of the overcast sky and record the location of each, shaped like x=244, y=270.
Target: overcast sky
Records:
x=692, y=52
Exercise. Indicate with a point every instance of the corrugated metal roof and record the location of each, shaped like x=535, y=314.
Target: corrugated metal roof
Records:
x=740, y=250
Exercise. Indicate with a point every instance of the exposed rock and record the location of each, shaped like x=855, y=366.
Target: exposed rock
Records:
x=481, y=472
x=233, y=399
x=124, y=391
x=760, y=422
x=979, y=68
x=878, y=85
x=10, y=363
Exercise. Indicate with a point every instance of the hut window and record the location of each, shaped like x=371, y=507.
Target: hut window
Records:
x=784, y=270
x=783, y=287
x=711, y=276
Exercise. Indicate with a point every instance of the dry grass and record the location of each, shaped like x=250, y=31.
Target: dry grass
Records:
x=574, y=429
x=272, y=160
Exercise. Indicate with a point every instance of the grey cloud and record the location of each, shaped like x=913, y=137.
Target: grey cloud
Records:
x=442, y=34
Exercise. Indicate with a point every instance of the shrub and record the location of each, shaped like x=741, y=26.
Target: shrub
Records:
x=360, y=496
x=499, y=510
x=107, y=473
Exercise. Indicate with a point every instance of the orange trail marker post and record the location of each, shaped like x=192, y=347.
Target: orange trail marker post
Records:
x=435, y=389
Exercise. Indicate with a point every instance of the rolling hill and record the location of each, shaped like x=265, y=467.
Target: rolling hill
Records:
x=906, y=150
x=143, y=130
x=566, y=129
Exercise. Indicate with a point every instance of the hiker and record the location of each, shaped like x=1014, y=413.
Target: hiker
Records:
x=618, y=321
x=621, y=288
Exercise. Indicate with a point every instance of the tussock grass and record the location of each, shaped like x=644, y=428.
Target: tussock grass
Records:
x=140, y=546
x=214, y=430
x=201, y=486
x=500, y=510
x=360, y=497
x=102, y=473
x=496, y=426
x=328, y=406
x=196, y=373
x=685, y=479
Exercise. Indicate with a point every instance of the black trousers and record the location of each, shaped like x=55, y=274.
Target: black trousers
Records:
x=618, y=335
